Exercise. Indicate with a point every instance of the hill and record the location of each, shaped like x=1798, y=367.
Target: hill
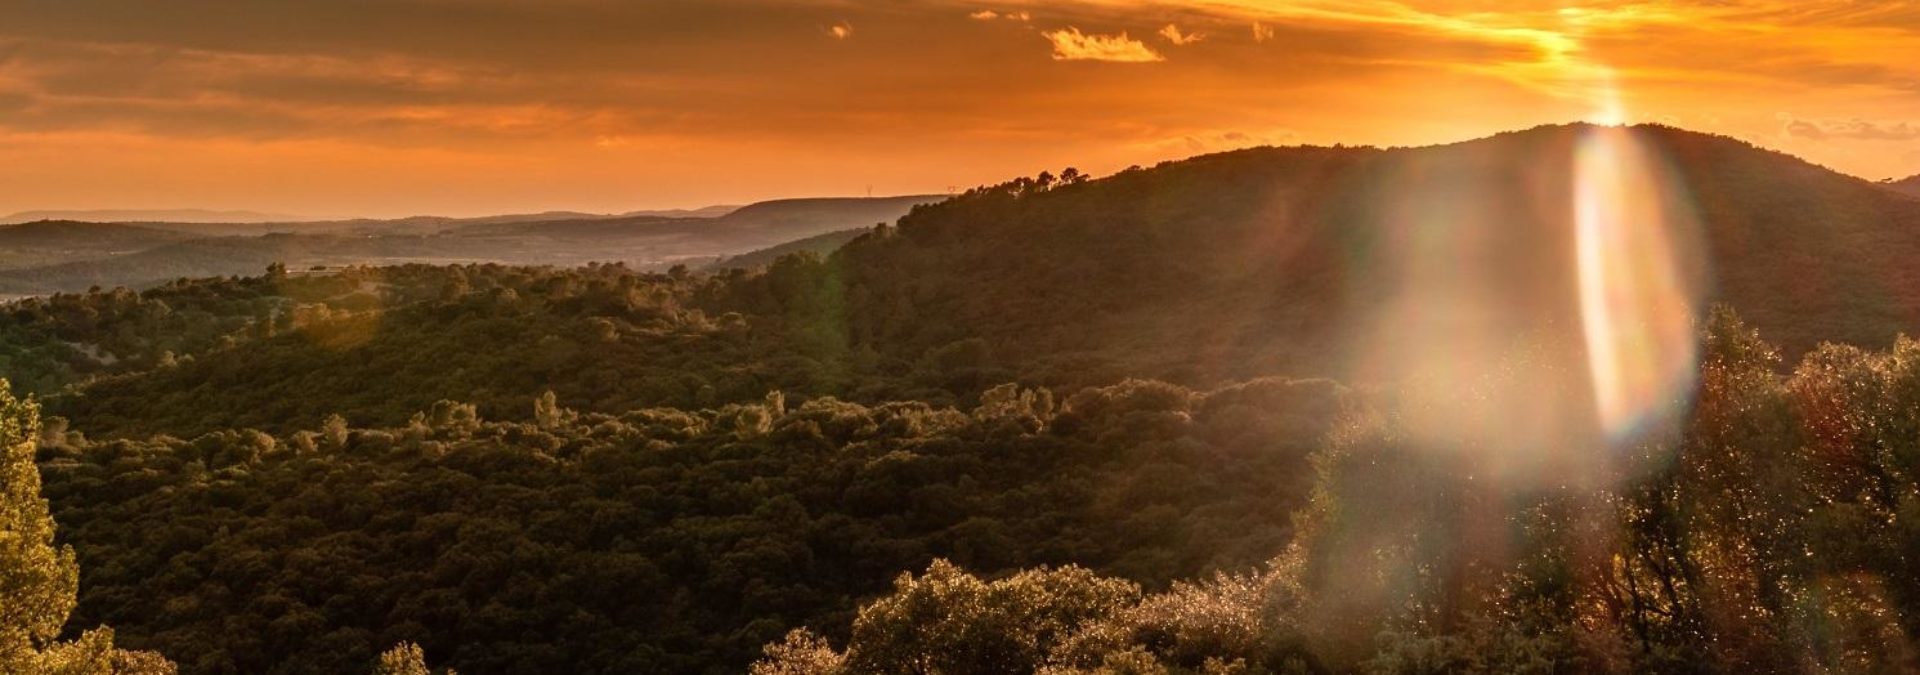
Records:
x=193, y=258
x=152, y=216
x=807, y=217
x=819, y=244
x=1908, y=186
x=714, y=211
x=54, y=241
x=772, y=221
x=69, y=257
x=1319, y=261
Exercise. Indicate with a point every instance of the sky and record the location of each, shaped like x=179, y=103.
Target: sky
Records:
x=469, y=107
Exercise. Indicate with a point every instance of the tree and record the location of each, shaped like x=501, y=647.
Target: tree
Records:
x=334, y=429
x=949, y=621
x=38, y=581
x=547, y=411
x=801, y=653
x=405, y=658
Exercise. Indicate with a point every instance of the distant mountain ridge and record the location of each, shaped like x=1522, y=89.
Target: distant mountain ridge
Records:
x=789, y=218
x=210, y=217
x=48, y=233
x=714, y=211
x=74, y=256
x=51, y=242
x=152, y=216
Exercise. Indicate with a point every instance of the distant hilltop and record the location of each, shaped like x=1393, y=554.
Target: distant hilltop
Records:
x=1909, y=185
x=153, y=216
x=210, y=216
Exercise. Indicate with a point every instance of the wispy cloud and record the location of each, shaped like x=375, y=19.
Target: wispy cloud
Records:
x=1173, y=34
x=1070, y=44
x=989, y=15
x=1262, y=32
x=1852, y=129
x=841, y=31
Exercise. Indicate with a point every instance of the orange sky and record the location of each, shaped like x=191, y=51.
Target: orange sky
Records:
x=466, y=107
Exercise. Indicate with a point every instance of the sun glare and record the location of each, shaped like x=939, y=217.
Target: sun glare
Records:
x=1636, y=311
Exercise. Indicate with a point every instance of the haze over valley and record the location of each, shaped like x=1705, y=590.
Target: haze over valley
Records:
x=51, y=256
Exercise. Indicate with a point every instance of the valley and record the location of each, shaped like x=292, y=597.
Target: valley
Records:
x=51, y=256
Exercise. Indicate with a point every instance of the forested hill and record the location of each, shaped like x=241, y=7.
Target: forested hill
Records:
x=1909, y=185
x=762, y=223
x=61, y=256
x=819, y=244
x=1308, y=260
x=1293, y=262
x=52, y=242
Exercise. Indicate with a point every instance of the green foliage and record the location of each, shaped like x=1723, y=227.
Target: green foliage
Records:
x=663, y=540
x=377, y=346
x=37, y=579
x=38, y=582
x=948, y=621
x=1771, y=531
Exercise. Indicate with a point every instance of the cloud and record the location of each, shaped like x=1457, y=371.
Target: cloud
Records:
x=1203, y=141
x=1172, y=34
x=1853, y=129
x=1805, y=129
x=504, y=83
x=1072, y=45
x=989, y=15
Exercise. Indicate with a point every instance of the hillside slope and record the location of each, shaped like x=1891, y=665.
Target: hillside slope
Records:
x=52, y=257
x=205, y=216
x=1909, y=185
x=227, y=256
x=1330, y=261
x=768, y=223
x=48, y=242
x=819, y=244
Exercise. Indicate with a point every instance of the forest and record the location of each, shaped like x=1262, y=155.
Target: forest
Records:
x=1041, y=427
x=69, y=255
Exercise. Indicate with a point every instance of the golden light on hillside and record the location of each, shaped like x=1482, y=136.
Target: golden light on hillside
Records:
x=1477, y=342
x=1537, y=371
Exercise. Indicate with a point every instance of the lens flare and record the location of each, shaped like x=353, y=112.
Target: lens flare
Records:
x=1636, y=308
x=1535, y=317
